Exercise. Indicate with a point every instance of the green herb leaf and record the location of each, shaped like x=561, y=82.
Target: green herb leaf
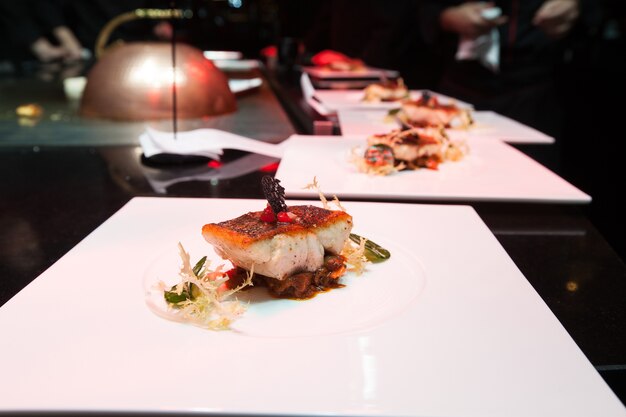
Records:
x=198, y=267
x=373, y=252
x=189, y=292
x=393, y=112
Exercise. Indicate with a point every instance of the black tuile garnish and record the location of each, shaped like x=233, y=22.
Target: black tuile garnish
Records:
x=274, y=193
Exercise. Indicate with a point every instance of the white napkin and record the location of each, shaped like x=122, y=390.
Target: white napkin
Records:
x=204, y=142
x=308, y=92
x=485, y=48
x=240, y=85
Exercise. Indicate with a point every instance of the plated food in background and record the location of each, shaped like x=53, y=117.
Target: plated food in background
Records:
x=427, y=111
x=296, y=252
x=386, y=91
x=408, y=149
x=350, y=65
x=336, y=61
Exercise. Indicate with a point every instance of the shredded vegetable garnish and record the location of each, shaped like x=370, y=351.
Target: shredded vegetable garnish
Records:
x=202, y=297
x=315, y=186
x=355, y=256
x=357, y=250
x=338, y=203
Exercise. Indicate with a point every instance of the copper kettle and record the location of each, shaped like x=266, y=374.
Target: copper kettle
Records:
x=135, y=81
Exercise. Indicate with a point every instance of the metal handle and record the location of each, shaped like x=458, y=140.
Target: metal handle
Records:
x=136, y=14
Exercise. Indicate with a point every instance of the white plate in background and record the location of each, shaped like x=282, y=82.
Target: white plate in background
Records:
x=237, y=65
x=367, y=72
x=221, y=55
x=353, y=99
x=488, y=125
x=241, y=85
x=492, y=171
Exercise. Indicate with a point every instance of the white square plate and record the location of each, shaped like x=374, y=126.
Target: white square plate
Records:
x=492, y=171
x=222, y=55
x=353, y=99
x=368, y=72
x=447, y=327
x=235, y=65
x=488, y=125
x=241, y=85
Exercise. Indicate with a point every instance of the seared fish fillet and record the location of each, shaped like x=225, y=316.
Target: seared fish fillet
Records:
x=421, y=115
x=278, y=250
x=411, y=144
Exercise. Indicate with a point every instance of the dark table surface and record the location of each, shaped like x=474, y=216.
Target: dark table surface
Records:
x=54, y=191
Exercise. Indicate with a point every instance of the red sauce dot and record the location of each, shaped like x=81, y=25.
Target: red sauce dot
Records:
x=268, y=215
x=283, y=217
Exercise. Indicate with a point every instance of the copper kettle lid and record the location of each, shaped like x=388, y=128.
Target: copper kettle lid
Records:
x=134, y=81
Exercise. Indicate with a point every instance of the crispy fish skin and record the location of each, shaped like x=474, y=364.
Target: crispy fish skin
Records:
x=278, y=250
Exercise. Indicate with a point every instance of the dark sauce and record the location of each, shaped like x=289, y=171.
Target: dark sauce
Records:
x=301, y=285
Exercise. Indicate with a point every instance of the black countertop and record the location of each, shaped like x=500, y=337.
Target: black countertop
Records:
x=53, y=195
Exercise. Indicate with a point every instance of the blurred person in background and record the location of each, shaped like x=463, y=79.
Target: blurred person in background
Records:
x=594, y=79
x=38, y=29
x=507, y=61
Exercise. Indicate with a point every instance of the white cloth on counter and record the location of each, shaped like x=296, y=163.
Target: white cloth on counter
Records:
x=308, y=92
x=209, y=143
x=485, y=49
